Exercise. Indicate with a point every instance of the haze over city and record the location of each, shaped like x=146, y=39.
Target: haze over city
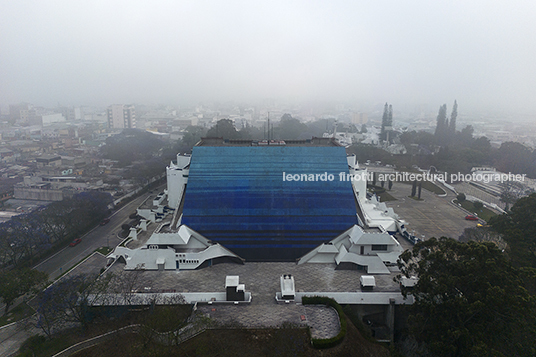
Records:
x=481, y=53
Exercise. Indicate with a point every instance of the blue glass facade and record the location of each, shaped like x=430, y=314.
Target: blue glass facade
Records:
x=237, y=196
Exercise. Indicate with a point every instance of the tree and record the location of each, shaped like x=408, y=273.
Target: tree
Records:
x=387, y=121
x=516, y=158
x=453, y=116
x=290, y=128
x=460, y=197
x=469, y=300
x=66, y=301
x=224, y=128
x=483, y=234
x=466, y=135
x=18, y=282
x=519, y=230
x=441, y=130
x=131, y=145
x=191, y=136
x=511, y=191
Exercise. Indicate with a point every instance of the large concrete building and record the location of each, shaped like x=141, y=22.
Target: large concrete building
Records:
x=240, y=200
x=121, y=116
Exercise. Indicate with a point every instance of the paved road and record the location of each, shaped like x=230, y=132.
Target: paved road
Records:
x=100, y=236
x=11, y=337
x=468, y=189
x=435, y=216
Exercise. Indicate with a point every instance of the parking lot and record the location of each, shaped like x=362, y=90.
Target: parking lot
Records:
x=434, y=216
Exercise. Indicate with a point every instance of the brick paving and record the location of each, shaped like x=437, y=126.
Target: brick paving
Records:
x=262, y=280
x=323, y=321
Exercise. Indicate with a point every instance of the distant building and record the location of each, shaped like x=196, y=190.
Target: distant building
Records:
x=245, y=200
x=121, y=116
x=359, y=118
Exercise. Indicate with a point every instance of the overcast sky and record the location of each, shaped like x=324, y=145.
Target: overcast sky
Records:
x=482, y=53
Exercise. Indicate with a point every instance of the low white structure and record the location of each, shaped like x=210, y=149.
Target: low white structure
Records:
x=368, y=282
x=177, y=177
x=358, y=249
x=288, y=290
x=181, y=250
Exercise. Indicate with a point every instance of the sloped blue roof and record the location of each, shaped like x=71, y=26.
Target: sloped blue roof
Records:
x=237, y=196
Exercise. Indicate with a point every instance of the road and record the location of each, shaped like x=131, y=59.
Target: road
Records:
x=100, y=236
x=12, y=336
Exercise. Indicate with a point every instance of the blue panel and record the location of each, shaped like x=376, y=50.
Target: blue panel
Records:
x=237, y=196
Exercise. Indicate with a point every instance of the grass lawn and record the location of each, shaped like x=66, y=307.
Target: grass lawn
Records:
x=384, y=197
x=166, y=317
x=427, y=185
x=381, y=193
x=241, y=342
x=40, y=346
x=483, y=213
x=18, y=313
x=104, y=250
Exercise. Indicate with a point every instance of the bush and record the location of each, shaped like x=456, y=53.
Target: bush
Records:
x=460, y=197
x=32, y=345
x=478, y=205
x=322, y=343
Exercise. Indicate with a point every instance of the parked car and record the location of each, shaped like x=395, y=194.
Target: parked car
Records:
x=470, y=217
x=75, y=242
x=105, y=221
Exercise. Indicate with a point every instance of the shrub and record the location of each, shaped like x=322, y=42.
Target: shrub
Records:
x=322, y=343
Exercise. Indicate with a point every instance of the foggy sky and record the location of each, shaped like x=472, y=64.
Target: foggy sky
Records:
x=482, y=53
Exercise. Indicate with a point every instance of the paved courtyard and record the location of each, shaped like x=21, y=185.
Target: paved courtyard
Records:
x=434, y=216
x=323, y=321
x=262, y=280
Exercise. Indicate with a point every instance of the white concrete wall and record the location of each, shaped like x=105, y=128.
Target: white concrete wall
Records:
x=176, y=179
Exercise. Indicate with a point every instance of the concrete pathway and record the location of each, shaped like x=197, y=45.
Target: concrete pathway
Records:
x=13, y=335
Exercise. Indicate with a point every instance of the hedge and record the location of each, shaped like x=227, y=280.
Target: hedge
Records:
x=327, y=342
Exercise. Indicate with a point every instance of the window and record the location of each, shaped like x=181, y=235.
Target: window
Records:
x=379, y=247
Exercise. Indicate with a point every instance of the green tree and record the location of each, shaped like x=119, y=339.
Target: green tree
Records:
x=483, y=234
x=18, y=282
x=453, y=116
x=290, y=128
x=469, y=300
x=516, y=158
x=441, y=130
x=460, y=197
x=466, y=136
x=192, y=135
x=511, y=191
x=518, y=229
x=224, y=128
x=131, y=145
x=387, y=121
